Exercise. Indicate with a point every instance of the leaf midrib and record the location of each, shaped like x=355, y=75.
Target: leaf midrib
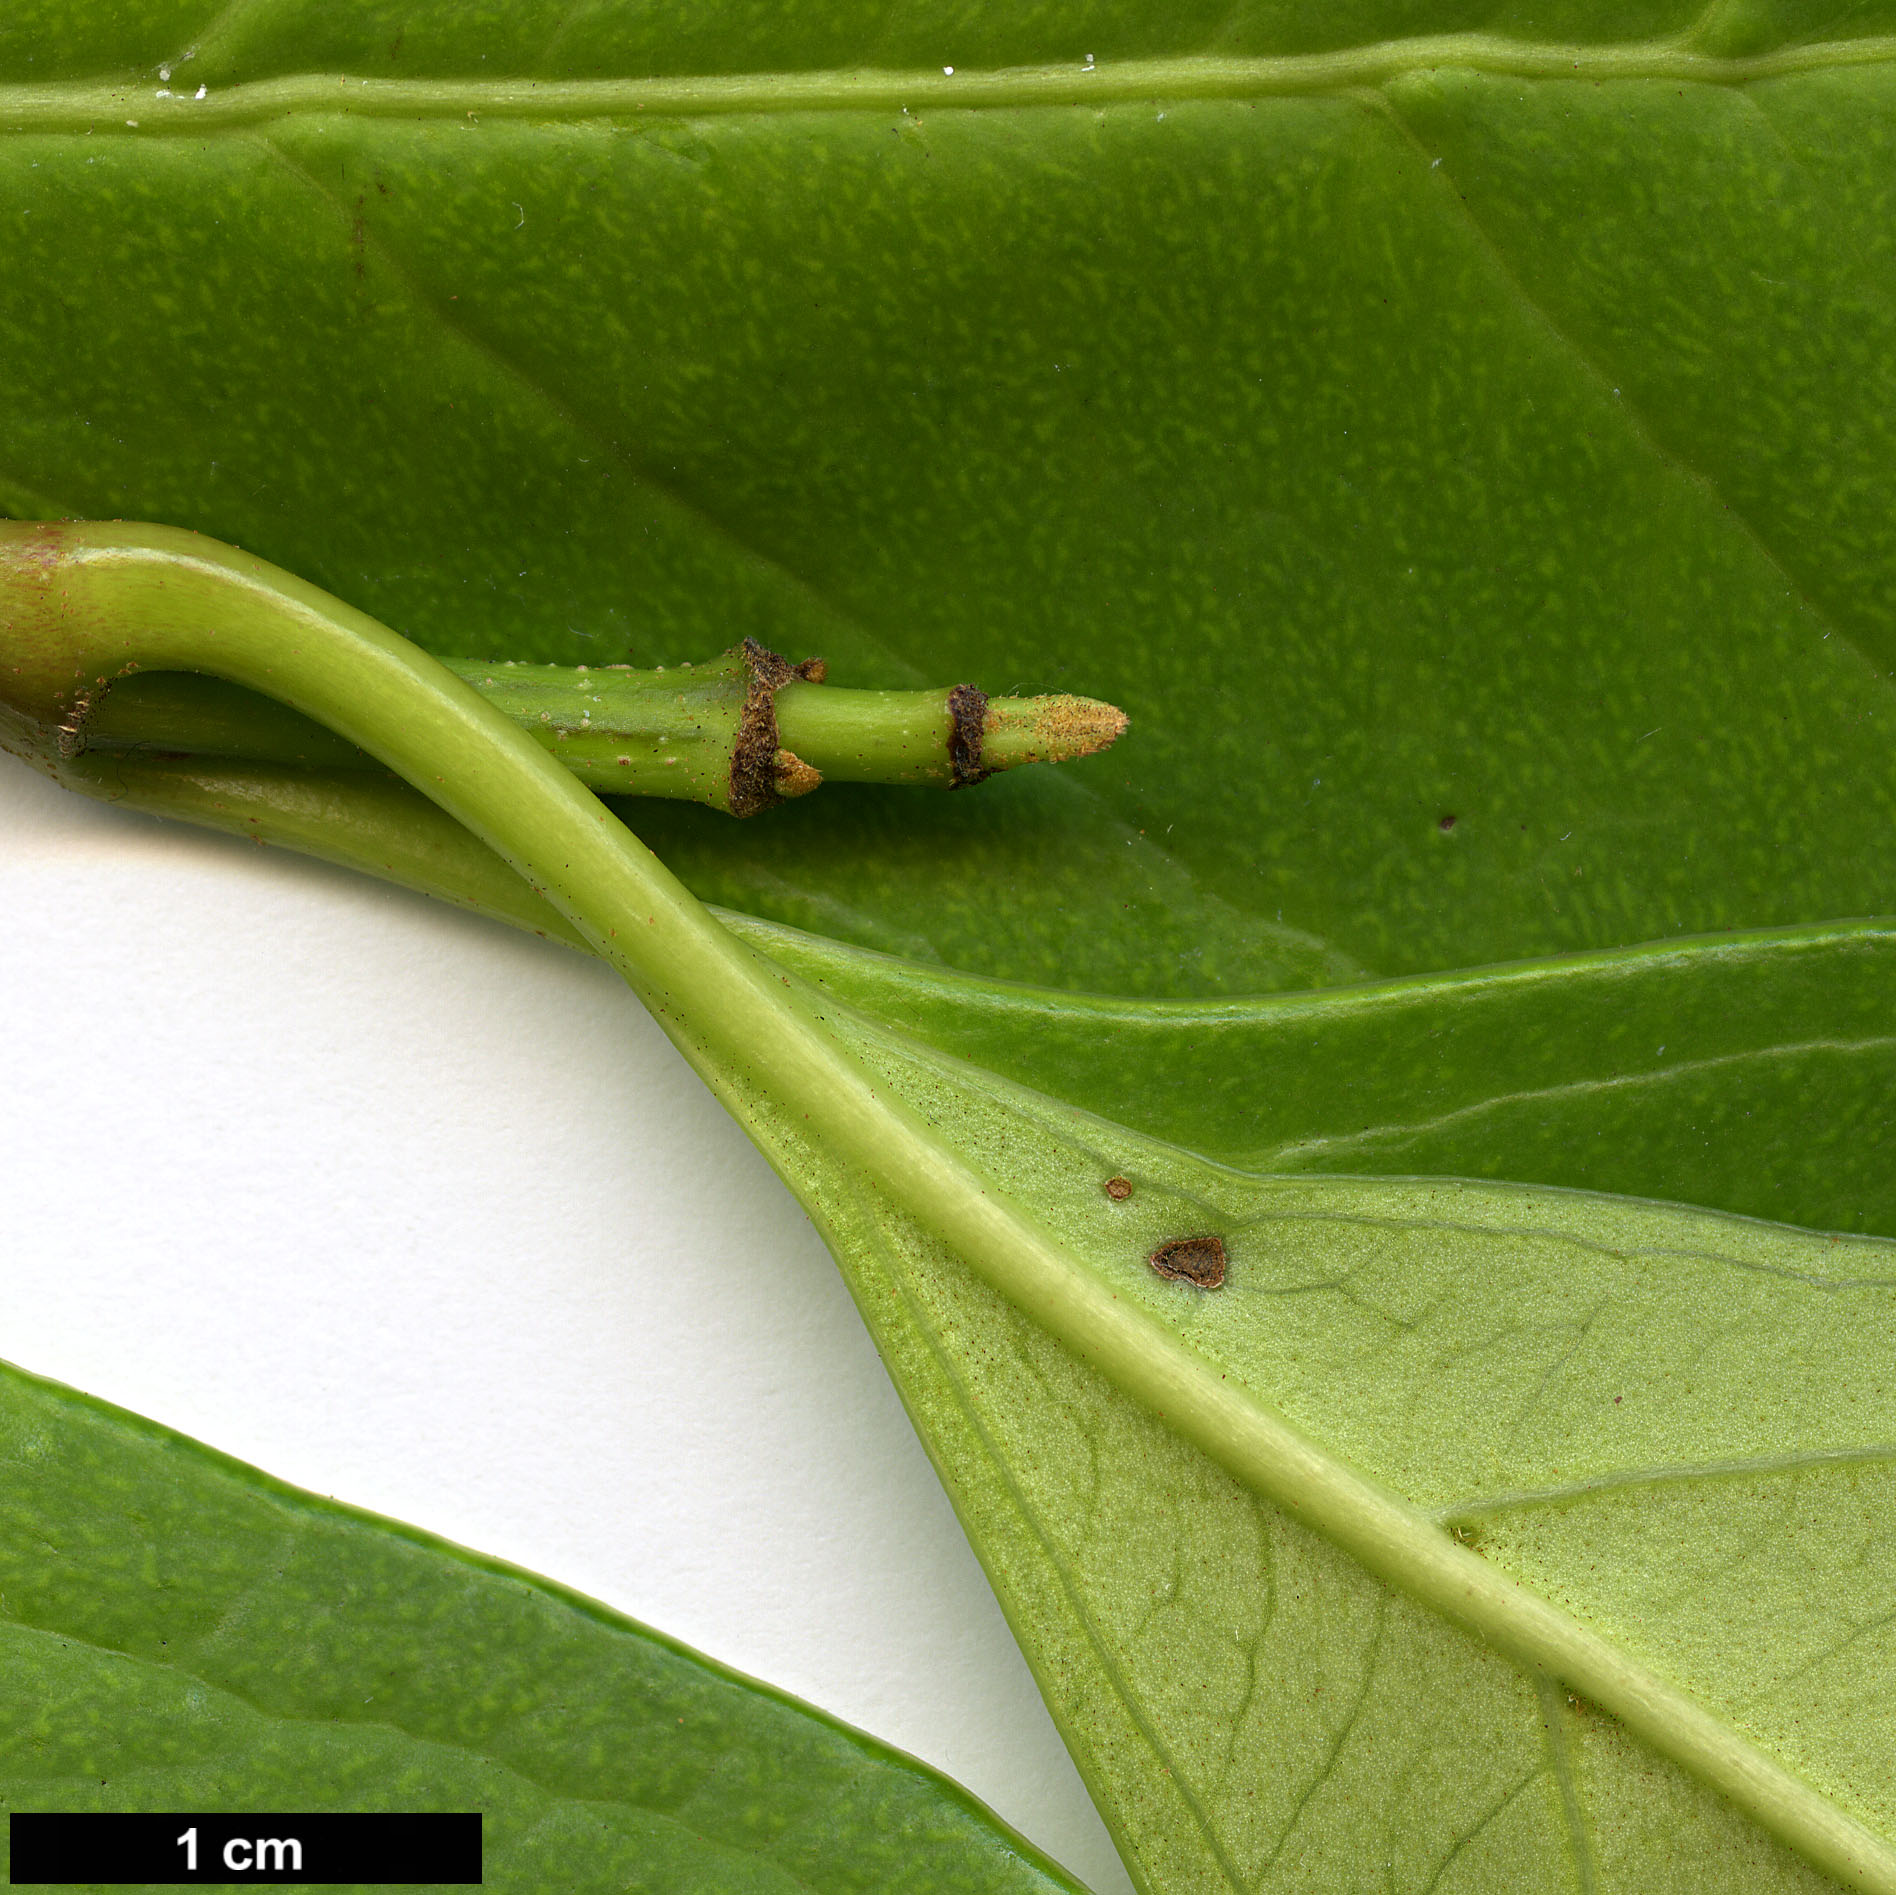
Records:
x=78, y=105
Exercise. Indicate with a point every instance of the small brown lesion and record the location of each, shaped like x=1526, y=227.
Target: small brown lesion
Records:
x=1119, y=1189
x=1199, y=1261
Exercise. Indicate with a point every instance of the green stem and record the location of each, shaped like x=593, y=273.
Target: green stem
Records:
x=727, y=733
x=87, y=602
x=181, y=713
x=869, y=736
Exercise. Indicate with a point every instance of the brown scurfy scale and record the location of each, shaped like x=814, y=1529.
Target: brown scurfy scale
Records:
x=1119, y=1189
x=762, y=773
x=1199, y=1261
x=967, y=713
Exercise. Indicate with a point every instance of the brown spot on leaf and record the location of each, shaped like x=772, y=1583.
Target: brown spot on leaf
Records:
x=1196, y=1260
x=1119, y=1189
x=1447, y=823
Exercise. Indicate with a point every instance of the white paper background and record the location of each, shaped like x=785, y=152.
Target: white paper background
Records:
x=427, y=1215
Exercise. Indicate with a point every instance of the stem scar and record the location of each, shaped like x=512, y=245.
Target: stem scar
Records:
x=967, y=710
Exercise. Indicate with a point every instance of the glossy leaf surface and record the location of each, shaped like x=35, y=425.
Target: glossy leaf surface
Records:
x=181, y=1632
x=1499, y=448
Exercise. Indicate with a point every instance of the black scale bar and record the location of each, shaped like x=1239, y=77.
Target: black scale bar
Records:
x=104, y=1849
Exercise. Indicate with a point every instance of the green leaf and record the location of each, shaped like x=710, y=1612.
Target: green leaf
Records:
x=1395, y=438
x=182, y=1632
x=1467, y=458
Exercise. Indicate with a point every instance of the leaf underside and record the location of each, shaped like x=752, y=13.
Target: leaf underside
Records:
x=1478, y=485
x=1678, y=1425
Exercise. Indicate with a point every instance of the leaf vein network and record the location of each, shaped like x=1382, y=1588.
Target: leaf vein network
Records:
x=1554, y=1741
x=1578, y=1089
x=1372, y=1654
x=1499, y=1808
x=1486, y=1506
x=1597, y=1247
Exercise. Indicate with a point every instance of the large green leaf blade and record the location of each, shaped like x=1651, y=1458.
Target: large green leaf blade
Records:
x=1310, y=446
x=180, y=1632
